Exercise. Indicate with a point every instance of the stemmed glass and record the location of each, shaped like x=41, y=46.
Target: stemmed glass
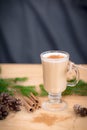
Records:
x=55, y=66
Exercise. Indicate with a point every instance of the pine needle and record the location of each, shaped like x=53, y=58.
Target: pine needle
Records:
x=6, y=84
x=79, y=89
x=20, y=79
x=43, y=92
x=26, y=90
x=5, y=89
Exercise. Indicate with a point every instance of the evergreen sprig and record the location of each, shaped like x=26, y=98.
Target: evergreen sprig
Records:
x=6, y=84
x=43, y=92
x=79, y=89
x=26, y=90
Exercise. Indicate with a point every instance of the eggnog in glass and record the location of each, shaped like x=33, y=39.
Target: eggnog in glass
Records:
x=55, y=66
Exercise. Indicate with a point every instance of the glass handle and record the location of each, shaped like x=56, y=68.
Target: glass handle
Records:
x=72, y=72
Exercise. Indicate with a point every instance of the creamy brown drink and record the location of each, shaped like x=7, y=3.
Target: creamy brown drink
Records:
x=54, y=71
x=56, y=66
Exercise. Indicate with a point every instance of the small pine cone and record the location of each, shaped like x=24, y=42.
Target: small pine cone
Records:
x=11, y=102
x=83, y=111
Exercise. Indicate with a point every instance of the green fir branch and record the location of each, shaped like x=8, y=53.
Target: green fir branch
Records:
x=79, y=89
x=43, y=92
x=26, y=90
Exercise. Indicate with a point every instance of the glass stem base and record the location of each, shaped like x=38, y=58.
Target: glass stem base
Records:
x=54, y=103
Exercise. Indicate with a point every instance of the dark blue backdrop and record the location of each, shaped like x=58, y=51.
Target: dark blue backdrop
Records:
x=29, y=27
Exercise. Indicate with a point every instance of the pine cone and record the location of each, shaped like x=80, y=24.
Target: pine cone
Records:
x=8, y=103
x=82, y=111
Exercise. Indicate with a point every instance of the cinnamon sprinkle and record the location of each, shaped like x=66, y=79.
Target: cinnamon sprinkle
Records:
x=49, y=119
x=55, y=56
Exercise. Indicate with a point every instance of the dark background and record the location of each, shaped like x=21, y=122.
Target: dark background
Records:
x=29, y=27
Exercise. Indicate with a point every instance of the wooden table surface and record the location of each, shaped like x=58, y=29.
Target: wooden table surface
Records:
x=41, y=119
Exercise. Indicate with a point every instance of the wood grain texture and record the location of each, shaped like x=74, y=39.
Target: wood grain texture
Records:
x=41, y=119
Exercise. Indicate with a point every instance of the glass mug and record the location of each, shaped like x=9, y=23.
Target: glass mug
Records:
x=56, y=66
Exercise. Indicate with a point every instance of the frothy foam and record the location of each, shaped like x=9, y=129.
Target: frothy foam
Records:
x=56, y=54
x=48, y=57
